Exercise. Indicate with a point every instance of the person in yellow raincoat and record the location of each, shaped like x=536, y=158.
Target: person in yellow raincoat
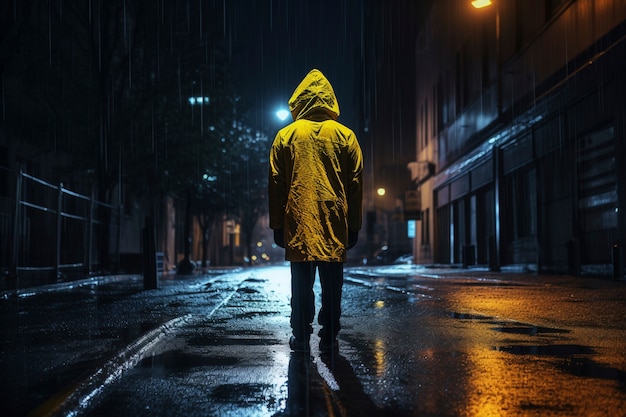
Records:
x=315, y=196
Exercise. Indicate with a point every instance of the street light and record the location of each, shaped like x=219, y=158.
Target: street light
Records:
x=494, y=244
x=282, y=114
x=479, y=4
x=198, y=100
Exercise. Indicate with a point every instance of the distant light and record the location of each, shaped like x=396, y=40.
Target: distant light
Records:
x=198, y=100
x=381, y=191
x=282, y=114
x=209, y=178
x=410, y=229
x=479, y=4
x=259, y=244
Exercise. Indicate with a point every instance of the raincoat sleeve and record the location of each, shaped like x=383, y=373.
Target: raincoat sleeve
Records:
x=355, y=186
x=277, y=186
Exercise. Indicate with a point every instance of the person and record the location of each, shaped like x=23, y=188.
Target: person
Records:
x=315, y=205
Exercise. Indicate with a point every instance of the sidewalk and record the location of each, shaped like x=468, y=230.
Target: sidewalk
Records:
x=66, y=337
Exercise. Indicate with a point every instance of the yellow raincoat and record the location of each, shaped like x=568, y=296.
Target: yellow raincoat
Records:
x=315, y=176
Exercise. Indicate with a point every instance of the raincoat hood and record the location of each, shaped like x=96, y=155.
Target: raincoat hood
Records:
x=315, y=186
x=313, y=95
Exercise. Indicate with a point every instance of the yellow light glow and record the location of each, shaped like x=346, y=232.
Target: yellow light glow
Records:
x=479, y=4
x=379, y=304
x=259, y=244
x=380, y=358
x=380, y=191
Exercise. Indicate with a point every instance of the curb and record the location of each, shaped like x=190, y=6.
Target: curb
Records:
x=71, y=400
x=66, y=286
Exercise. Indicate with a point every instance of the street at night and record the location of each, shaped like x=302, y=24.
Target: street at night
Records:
x=177, y=176
x=415, y=341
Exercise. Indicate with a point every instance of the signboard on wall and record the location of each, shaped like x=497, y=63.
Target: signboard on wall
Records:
x=412, y=205
x=411, y=227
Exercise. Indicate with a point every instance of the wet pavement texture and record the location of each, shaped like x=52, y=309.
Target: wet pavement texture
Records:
x=414, y=342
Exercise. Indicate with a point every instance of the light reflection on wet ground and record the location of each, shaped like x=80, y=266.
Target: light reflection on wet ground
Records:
x=518, y=348
x=523, y=368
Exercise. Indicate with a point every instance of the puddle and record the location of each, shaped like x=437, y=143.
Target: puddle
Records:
x=575, y=360
x=246, y=290
x=588, y=368
x=511, y=327
x=228, y=341
x=559, y=351
x=253, y=314
x=243, y=393
x=469, y=316
x=178, y=360
x=524, y=329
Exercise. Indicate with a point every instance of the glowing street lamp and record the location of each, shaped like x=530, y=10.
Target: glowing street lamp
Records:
x=495, y=265
x=198, y=101
x=479, y=4
x=282, y=114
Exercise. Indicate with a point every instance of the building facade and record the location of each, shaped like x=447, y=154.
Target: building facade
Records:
x=520, y=135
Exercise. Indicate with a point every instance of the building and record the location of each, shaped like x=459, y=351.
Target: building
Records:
x=520, y=135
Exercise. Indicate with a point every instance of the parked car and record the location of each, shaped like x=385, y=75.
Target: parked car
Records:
x=386, y=255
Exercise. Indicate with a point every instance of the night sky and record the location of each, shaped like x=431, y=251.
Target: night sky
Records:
x=366, y=50
x=277, y=42
x=364, y=47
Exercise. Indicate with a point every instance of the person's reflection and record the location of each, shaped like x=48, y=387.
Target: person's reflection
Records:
x=309, y=395
x=300, y=386
x=351, y=391
x=298, y=398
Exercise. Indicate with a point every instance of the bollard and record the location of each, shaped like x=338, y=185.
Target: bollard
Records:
x=150, y=276
x=469, y=255
x=494, y=263
x=618, y=266
x=573, y=257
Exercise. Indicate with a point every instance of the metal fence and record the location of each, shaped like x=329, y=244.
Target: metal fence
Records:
x=50, y=230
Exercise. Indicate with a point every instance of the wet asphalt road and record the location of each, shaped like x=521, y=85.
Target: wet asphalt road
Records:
x=415, y=342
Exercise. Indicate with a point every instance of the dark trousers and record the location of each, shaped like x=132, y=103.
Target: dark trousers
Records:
x=303, y=298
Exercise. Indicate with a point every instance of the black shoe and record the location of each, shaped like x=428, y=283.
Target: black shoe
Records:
x=328, y=346
x=299, y=345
